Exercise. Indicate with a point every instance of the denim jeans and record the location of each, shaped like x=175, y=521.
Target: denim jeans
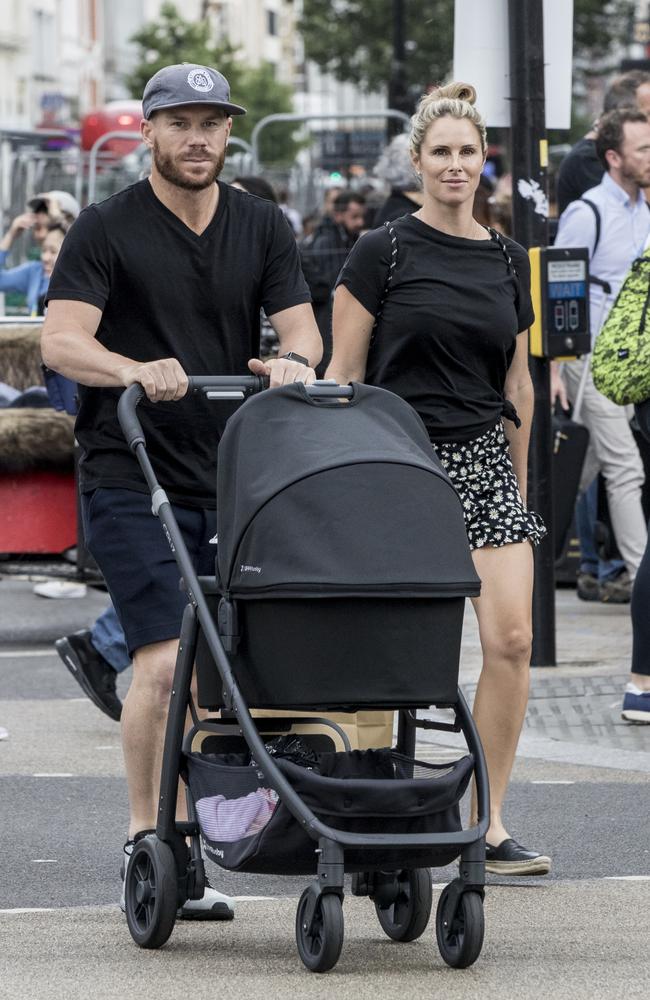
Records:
x=586, y=513
x=107, y=637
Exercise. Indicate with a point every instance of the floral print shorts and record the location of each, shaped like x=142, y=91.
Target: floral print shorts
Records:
x=482, y=473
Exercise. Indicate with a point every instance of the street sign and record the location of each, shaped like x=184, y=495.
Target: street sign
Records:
x=482, y=58
x=559, y=278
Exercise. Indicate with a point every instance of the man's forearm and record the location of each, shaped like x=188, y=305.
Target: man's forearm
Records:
x=83, y=359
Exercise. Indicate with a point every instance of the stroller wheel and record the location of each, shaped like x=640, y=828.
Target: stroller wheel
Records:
x=150, y=892
x=406, y=918
x=320, y=946
x=460, y=932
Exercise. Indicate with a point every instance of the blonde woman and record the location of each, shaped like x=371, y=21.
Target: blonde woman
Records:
x=452, y=340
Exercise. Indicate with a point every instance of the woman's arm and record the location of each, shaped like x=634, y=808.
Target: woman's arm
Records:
x=352, y=327
x=17, y=279
x=18, y=225
x=519, y=390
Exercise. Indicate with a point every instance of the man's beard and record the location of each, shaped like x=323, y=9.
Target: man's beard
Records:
x=167, y=168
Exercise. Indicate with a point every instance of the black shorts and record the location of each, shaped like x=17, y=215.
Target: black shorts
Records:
x=130, y=548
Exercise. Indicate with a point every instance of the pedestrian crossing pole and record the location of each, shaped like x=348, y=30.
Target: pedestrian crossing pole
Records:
x=530, y=228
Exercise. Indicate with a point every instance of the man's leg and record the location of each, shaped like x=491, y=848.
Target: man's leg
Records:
x=620, y=463
x=587, y=581
x=94, y=657
x=144, y=716
x=141, y=573
x=107, y=636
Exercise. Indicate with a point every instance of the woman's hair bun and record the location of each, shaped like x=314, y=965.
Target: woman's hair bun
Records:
x=455, y=92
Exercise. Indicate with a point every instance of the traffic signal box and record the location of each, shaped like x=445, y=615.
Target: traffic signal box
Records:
x=560, y=292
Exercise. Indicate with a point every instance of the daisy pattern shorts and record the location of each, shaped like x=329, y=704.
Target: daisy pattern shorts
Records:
x=482, y=473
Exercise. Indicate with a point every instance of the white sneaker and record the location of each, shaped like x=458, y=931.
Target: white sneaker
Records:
x=213, y=905
x=127, y=851
x=60, y=589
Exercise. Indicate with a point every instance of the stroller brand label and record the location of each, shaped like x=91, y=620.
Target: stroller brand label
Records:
x=250, y=569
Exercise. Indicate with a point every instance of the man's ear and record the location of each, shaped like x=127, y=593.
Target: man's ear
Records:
x=146, y=129
x=613, y=158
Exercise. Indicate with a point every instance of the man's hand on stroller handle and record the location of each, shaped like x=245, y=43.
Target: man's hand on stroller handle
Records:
x=162, y=381
x=281, y=371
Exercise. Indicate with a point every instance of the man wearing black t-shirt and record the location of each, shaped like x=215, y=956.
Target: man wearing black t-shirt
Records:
x=162, y=280
x=581, y=169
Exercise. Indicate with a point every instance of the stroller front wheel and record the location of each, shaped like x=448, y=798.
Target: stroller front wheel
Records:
x=150, y=892
x=319, y=946
x=460, y=931
x=406, y=918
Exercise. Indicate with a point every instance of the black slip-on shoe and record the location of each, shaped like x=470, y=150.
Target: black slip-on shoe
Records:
x=93, y=673
x=510, y=858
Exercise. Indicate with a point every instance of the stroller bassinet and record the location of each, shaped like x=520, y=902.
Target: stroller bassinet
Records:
x=341, y=575
x=342, y=563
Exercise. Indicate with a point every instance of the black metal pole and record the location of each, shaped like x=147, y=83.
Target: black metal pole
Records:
x=397, y=83
x=530, y=228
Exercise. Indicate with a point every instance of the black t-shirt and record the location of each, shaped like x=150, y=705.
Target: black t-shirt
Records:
x=447, y=333
x=396, y=205
x=165, y=292
x=579, y=171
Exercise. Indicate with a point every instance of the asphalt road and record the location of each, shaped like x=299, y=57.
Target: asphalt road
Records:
x=580, y=932
x=579, y=792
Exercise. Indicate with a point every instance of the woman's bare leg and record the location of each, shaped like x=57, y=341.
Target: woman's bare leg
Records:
x=504, y=612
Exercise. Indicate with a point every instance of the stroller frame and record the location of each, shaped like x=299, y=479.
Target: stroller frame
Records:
x=163, y=872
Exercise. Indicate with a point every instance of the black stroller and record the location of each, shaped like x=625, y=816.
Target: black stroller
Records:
x=341, y=575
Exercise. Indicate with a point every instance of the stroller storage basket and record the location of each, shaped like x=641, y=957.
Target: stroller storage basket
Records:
x=246, y=828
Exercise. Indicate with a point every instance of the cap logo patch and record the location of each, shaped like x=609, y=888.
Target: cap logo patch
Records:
x=200, y=79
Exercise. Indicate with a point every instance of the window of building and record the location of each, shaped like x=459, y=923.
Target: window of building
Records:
x=43, y=44
x=271, y=22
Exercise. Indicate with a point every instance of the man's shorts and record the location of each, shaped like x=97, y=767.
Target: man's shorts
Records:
x=131, y=549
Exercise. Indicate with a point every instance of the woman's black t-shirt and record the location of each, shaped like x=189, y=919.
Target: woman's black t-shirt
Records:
x=166, y=292
x=447, y=333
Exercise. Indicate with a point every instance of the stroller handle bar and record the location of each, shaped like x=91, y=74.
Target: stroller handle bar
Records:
x=224, y=387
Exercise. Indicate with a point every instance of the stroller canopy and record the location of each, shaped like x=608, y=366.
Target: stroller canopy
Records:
x=322, y=498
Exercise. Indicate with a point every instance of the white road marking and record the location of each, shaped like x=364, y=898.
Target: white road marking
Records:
x=109, y=747
x=7, y=654
x=552, y=782
x=45, y=861
x=626, y=878
x=32, y=909
x=54, y=774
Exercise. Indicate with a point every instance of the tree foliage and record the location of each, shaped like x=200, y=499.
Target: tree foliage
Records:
x=352, y=39
x=598, y=25
x=171, y=39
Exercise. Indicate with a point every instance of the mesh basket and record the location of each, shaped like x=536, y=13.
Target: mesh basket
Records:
x=245, y=827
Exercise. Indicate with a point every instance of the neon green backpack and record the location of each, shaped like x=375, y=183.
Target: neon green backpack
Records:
x=620, y=363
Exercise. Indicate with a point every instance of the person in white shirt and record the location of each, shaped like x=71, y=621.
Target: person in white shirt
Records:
x=613, y=221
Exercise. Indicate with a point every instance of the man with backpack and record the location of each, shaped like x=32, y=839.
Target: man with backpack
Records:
x=613, y=221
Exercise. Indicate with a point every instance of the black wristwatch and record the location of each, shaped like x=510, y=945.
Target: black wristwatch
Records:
x=292, y=356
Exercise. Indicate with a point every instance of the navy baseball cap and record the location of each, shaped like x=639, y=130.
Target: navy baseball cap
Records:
x=186, y=83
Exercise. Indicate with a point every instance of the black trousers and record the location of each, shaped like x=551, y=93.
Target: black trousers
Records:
x=640, y=610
